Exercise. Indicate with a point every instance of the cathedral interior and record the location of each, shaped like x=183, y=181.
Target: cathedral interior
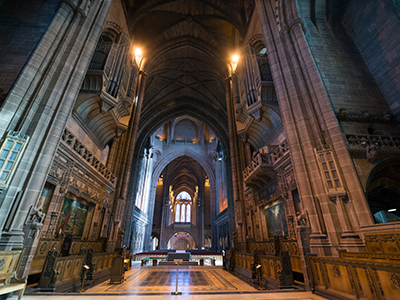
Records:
x=260, y=138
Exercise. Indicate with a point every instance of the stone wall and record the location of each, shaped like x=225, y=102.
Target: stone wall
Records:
x=22, y=24
x=346, y=77
x=374, y=27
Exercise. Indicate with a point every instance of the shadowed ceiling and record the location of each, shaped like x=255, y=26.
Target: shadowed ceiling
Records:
x=188, y=45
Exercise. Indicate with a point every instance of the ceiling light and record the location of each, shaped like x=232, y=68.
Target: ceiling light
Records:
x=138, y=52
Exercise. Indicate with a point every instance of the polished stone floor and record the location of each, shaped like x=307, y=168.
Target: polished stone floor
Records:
x=237, y=296
x=162, y=279
x=195, y=283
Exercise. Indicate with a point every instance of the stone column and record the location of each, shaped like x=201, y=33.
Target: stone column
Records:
x=240, y=219
x=125, y=183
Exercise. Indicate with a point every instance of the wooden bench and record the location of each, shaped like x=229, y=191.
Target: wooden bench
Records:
x=10, y=262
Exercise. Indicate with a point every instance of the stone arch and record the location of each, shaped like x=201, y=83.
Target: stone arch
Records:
x=172, y=232
x=166, y=160
x=383, y=191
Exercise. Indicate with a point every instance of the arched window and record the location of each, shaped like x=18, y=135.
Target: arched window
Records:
x=177, y=212
x=183, y=196
x=188, y=211
x=183, y=207
x=183, y=213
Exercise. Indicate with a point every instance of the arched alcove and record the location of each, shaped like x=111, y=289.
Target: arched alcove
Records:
x=383, y=191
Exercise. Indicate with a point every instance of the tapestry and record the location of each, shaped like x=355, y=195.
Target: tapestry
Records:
x=73, y=218
x=276, y=220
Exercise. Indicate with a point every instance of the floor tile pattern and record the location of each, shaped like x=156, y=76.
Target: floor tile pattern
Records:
x=251, y=296
x=192, y=279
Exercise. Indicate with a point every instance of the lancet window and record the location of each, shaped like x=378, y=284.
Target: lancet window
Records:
x=183, y=207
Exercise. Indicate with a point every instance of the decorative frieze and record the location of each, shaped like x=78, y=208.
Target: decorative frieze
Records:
x=373, y=147
x=365, y=116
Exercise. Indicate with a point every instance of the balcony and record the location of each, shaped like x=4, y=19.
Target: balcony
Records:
x=262, y=168
x=259, y=172
x=75, y=146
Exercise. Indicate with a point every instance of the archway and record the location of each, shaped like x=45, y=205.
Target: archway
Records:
x=383, y=191
x=181, y=241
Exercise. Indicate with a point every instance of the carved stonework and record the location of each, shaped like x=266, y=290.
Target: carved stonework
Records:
x=336, y=271
x=35, y=221
x=17, y=135
x=395, y=280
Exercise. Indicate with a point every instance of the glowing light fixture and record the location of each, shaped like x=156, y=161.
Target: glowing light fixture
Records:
x=391, y=210
x=138, y=55
x=234, y=63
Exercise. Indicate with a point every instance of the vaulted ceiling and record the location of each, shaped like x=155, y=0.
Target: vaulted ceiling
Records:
x=188, y=45
x=184, y=173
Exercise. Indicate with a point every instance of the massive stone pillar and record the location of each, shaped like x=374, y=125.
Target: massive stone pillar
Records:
x=237, y=177
x=36, y=111
x=326, y=179
x=125, y=195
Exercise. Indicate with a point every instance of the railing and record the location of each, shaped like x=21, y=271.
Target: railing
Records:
x=352, y=279
x=361, y=142
x=266, y=159
x=280, y=152
x=74, y=144
x=258, y=160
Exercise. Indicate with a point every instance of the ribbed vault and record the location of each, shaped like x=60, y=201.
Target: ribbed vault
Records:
x=188, y=44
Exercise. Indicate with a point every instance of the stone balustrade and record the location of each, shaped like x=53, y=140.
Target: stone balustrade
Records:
x=360, y=142
x=73, y=143
x=262, y=167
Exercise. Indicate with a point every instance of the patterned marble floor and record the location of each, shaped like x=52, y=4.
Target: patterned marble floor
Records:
x=163, y=280
x=157, y=283
x=251, y=296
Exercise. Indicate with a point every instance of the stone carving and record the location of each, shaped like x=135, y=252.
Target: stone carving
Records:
x=72, y=143
x=388, y=116
x=372, y=153
x=2, y=264
x=49, y=274
x=342, y=113
x=256, y=262
x=65, y=249
x=35, y=220
x=17, y=135
x=336, y=271
x=286, y=274
x=302, y=219
x=395, y=280
x=365, y=116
